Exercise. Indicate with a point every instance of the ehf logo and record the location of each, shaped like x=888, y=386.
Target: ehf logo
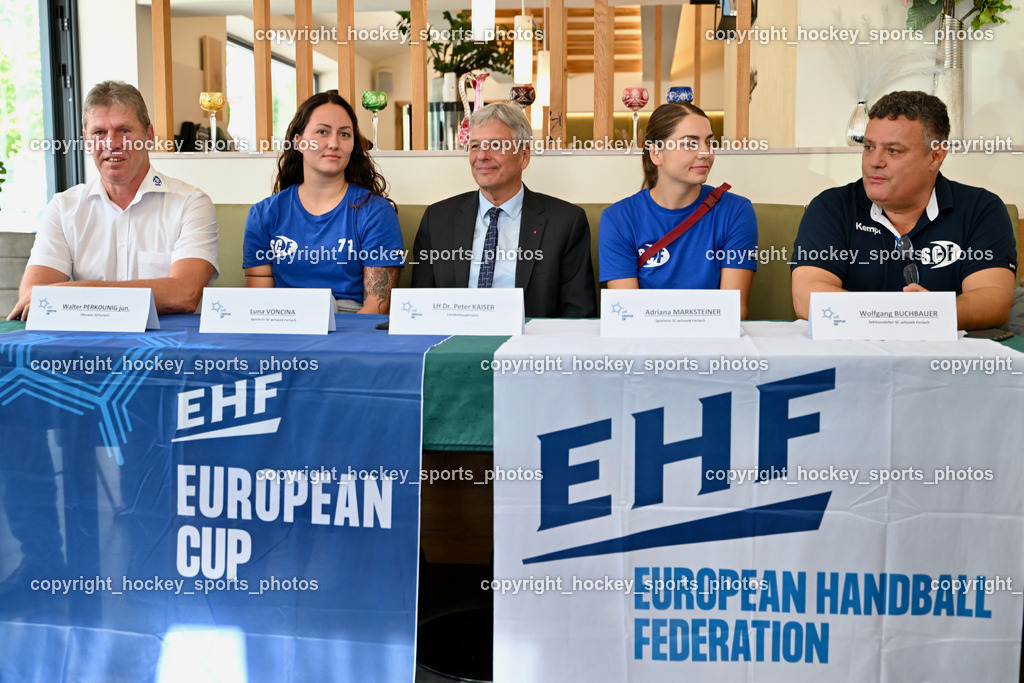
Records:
x=620, y=310
x=653, y=455
x=282, y=247
x=226, y=409
x=44, y=304
x=829, y=314
x=658, y=259
x=407, y=307
x=218, y=308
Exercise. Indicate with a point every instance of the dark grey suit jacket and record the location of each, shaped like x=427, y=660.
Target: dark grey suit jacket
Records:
x=558, y=282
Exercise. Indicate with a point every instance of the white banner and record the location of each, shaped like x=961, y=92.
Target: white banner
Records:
x=769, y=508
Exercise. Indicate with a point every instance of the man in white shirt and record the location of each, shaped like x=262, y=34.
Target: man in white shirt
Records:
x=131, y=227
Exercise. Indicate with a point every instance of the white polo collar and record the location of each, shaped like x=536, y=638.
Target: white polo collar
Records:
x=878, y=216
x=153, y=182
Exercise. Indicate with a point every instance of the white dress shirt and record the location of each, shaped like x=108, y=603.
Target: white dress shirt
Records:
x=508, y=240
x=86, y=236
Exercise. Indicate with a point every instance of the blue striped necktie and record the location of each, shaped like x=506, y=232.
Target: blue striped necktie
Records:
x=486, y=278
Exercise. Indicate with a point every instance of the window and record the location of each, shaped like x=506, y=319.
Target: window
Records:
x=240, y=75
x=23, y=195
x=40, y=108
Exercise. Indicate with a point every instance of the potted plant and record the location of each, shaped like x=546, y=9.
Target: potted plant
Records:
x=948, y=83
x=460, y=54
x=457, y=55
x=920, y=13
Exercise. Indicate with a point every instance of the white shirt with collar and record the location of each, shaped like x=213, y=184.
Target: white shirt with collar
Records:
x=878, y=215
x=509, y=222
x=86, y=236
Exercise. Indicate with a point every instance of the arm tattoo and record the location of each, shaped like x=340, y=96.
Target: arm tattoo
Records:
x=377, y=283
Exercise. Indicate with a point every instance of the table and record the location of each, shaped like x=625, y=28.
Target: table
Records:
x=453, y=370
x=458, y=397
x=765, y=508
x=244, y=503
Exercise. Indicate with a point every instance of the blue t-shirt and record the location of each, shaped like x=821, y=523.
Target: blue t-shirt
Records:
x=726, y=237
x=327, y=251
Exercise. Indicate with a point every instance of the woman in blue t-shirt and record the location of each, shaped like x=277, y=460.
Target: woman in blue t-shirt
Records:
x=718, y=251
x=329, y=223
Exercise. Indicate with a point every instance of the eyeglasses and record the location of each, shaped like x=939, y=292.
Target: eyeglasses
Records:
x=910, y=273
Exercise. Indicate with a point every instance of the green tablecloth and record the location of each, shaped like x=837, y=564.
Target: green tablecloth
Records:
x=1015, y=343
x=458, y=395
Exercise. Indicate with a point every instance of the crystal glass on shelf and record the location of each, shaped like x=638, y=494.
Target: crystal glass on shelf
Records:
x=635, y=99
x=523, y=95
x=375, y=101
x=680, y=93
x=212, y=102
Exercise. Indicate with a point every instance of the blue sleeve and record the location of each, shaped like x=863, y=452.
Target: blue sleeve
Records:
x=822, y=227
x=380, y=236
x=990, y=242
x=256, y=242
x=741, y=237
x=616, y=256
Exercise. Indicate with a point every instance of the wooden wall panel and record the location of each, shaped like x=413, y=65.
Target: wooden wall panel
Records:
x=163, y=83
x=346, y=52
x=604, y=70
x=263, y=99
x=418, y=25
x=303, y=51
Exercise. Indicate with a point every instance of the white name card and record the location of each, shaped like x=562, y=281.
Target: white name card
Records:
x=92, y=309
x=472, y=312
x=686, y=313
x=258, y=310
x=909, y=316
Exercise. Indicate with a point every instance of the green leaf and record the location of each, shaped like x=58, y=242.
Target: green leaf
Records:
x=460, y=55
x=988, y=13
x=921, y=13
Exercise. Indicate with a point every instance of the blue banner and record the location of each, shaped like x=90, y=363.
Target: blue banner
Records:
x=176, y=503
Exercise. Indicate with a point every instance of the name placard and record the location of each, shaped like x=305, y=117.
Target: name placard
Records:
x=693, y=313
x=260, y=310
x=910, y=316
x=457, y=311
x=92, y=309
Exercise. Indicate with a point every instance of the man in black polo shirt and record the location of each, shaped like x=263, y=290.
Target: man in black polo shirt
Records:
x=961, y=236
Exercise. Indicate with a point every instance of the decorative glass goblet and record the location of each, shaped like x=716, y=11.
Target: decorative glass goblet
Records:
x=679, y=93
x=635, y=99
x=523, y=95
x=375, y=101
x=212, y=102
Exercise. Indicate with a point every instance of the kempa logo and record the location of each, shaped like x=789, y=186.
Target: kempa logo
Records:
x=196, y=408
x=940, y=254
x=867, y=228
x=658, y=259
x=282, y=247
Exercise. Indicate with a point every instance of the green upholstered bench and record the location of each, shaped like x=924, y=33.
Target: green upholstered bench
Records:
x=14, y=250
x=770, y=296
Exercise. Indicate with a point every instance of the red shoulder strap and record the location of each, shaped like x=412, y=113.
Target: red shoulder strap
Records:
x=698, y=213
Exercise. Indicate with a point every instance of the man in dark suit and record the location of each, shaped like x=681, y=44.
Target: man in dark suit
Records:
x=504, y=235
